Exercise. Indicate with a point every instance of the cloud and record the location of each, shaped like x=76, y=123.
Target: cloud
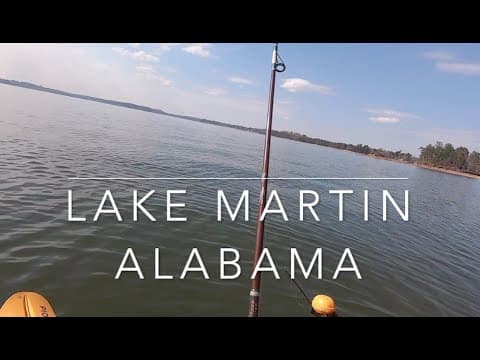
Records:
x=85, y=75
x=78, y=52
x=439, y=55
x=388, y=116
x=139, y=55
x=214, y=91
x=145, y=68
x=103, y=66
x=240, y=80
x=384, y=119
x=448, y=62
x=168, y=46
x=462, y=68
x=201, y=50
x=149, y=72
x=285, y=102
x=299, y=85
x=390, y=112
x=134, y=44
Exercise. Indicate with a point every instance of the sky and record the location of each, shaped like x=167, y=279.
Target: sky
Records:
x=394, y=96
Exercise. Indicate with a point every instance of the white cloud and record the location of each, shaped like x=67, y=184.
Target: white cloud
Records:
x=241, y=80
x=201, y=50
x=439, y=55
x=390, y=112
x=298, y=85
x=145, y=68
x=388, y=116
x=168, y=46
x=447, y=62
x=78, y=52
x=149, y=72
x=134, y=44
x=86, y=74
x=139, y=55
x=214, y=91
x=124, y=82
x=384, y=119
x=459, y=68
x=104, y=67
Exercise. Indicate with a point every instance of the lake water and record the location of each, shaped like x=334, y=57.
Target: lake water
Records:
x=428, y=266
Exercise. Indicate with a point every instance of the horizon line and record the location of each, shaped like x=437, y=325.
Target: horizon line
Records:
x=154, y=110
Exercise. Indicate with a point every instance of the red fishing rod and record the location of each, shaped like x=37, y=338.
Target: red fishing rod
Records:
x=277, y=66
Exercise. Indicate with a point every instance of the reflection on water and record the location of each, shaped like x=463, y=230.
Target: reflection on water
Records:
x=427, y=266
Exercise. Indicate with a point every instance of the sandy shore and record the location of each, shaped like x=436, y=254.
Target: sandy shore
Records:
x=428, y=167
x=448, y=171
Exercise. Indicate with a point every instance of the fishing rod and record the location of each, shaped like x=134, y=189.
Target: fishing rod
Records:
x=277, y=66
x=322, y=305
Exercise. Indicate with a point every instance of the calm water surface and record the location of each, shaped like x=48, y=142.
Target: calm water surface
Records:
x=428, y=266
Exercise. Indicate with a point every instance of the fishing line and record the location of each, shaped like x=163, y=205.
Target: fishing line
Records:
x=306, y=294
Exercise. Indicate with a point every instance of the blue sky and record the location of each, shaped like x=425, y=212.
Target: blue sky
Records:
x=396, y=96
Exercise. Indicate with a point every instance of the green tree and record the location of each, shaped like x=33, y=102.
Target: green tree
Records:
x=427, y=154
x=447, y=155
x=473, y=163
x=460, y=158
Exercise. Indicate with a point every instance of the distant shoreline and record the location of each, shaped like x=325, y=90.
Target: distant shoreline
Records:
x=290, y=135
x=448, y=171
x=372, y=152
x=429, y=167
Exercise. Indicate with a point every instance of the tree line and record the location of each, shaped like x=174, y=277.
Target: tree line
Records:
x=447, y=156
x=359, y=148
x=438, y=155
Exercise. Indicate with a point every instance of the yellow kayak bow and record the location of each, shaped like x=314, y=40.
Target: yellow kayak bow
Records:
x=26, y=304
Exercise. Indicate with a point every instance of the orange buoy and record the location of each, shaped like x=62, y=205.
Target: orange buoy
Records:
x=26, y=304
x=323, y=305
